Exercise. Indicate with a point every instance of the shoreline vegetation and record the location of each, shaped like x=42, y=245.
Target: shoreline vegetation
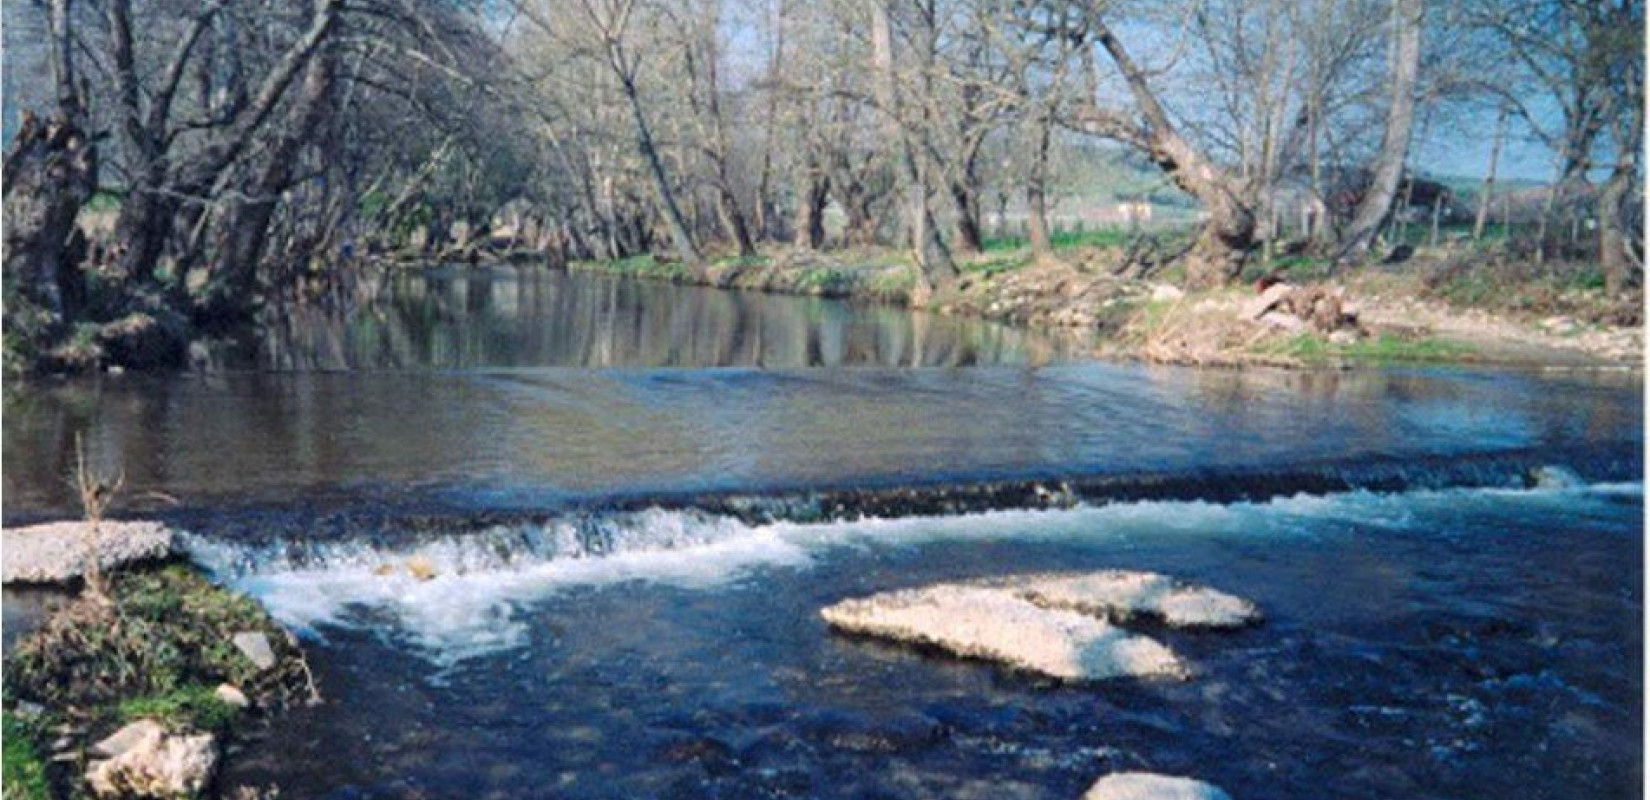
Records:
x=145, y=674
x=161, y=199
x=1458, y=303
x=143, y=691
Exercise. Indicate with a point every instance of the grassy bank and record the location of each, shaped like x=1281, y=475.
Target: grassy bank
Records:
x=1460, y=302
x=159, y=647
x=1386, y=348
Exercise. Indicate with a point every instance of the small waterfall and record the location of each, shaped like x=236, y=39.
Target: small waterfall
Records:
x=453, y=591
x=459, y=552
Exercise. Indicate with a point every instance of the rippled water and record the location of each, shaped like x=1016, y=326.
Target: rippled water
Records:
x=1463, y=643
x=487, y=438
x=621, y=489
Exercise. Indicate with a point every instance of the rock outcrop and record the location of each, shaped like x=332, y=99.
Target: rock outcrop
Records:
x=1124, y=596
x=59, y=551
x=255, y=646
x=990, y=623
x=1060, y=625
x=1150, y=786
x=143, y=760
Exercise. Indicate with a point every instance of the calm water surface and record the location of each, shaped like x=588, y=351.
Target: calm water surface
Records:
x=1462, y=643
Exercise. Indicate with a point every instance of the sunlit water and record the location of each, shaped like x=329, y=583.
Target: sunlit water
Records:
x=1462, y=643
x=1472, y=642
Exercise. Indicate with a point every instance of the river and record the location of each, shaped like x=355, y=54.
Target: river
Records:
x=636, y=497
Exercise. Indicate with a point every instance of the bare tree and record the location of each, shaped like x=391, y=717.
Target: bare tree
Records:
x=1228, y=234
x=1388, y=170
x=934, y=266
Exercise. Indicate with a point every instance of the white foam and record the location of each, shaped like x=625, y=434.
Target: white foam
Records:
x=468, y=608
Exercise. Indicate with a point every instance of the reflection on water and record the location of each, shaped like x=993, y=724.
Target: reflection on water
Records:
x=508, y=317
x=527, y=437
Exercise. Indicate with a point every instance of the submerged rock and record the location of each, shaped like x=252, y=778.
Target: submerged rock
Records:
x=995, y=624
x=143, y=760
x=421, y=568
x=890, y=732
x=1553, y=477
x=1124, y=595
x=1150, y=786
x=60, y=551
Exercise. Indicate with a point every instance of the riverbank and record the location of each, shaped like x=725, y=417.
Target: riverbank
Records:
x=145, y=688
x=1458, y=304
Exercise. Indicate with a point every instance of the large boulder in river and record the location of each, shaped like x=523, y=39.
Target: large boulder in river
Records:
x=988, y=622
x=1061, y=625
x=143, y=760
x=60, y=551
x=1150, y=786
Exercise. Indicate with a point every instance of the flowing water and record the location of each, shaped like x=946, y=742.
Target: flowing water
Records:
x=636, y=498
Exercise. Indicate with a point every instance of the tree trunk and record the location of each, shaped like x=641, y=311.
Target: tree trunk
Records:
x=679, y=236
x=151, y=211
x=934, y=266
x=1621, y=260
x=1042, y=247
x=811, y=197
x=49, y=173
x=245, y=227
x=965, y=198
x=733, y=218
x=1377, y=203
x=1488, y=188
x=1228, y=234
x=1615, y=254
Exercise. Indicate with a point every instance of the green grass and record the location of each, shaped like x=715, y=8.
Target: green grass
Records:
x=742, y=262
x=103, y=200
x=995, y=263
x=194, y=706
x=642, y=266
x=174, y=632
x=24, y=773
x=827, y=280
x=894, y=283
x=1519, y=288
x=1300, y=268
x=1064, y=240
x=1386, y=348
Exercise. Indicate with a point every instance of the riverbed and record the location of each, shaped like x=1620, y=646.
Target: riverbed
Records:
x=635, y=498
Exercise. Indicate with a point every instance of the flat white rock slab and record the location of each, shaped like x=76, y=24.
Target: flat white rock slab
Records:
x=1123, y=595
x=989, y=622
x=1150, y=786
x=58, y=551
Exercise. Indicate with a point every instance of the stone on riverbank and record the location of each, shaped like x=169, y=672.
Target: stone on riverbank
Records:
x=231, y=696
x=1150, y=786
x=255, y=646
x=994, y=624
x=1122, y=595
x=143, y=760
x=58, y=551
